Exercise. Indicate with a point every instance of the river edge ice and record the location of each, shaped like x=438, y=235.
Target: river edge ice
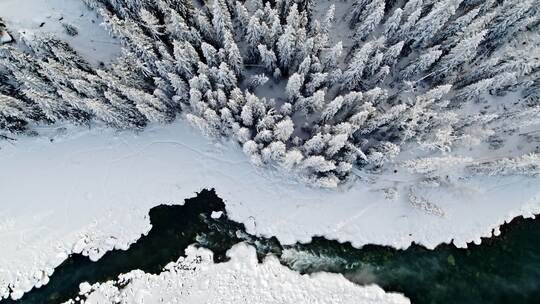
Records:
x=89, y=190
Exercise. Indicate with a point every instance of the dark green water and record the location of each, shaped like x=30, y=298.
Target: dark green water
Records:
x=504, y=269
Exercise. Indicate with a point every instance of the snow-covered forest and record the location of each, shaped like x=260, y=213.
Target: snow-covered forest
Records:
x=325, y=89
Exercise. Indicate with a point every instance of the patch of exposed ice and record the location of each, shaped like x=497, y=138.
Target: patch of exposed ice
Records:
x=196, y=279
x=89, y=191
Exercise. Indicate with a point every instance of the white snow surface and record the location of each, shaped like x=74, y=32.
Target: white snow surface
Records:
x=80, y=190
x=196, y=279
x=93, y=42
x=5, y=37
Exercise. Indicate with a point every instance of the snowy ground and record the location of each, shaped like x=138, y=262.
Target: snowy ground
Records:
x=196, y=279
x=79, y=190
x=48, y=16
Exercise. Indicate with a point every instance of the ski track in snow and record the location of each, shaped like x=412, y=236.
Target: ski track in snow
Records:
x=89, y=191
x=196, y=279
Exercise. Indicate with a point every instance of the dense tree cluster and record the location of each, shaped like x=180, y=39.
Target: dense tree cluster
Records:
x=403, y=77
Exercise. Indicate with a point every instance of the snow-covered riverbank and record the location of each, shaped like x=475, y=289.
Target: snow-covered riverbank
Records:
x=80, y=190
x=196, y=279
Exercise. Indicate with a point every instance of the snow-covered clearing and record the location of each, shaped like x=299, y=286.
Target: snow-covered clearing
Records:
x=75, y=189
x=93, y=42
x=196, y=279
